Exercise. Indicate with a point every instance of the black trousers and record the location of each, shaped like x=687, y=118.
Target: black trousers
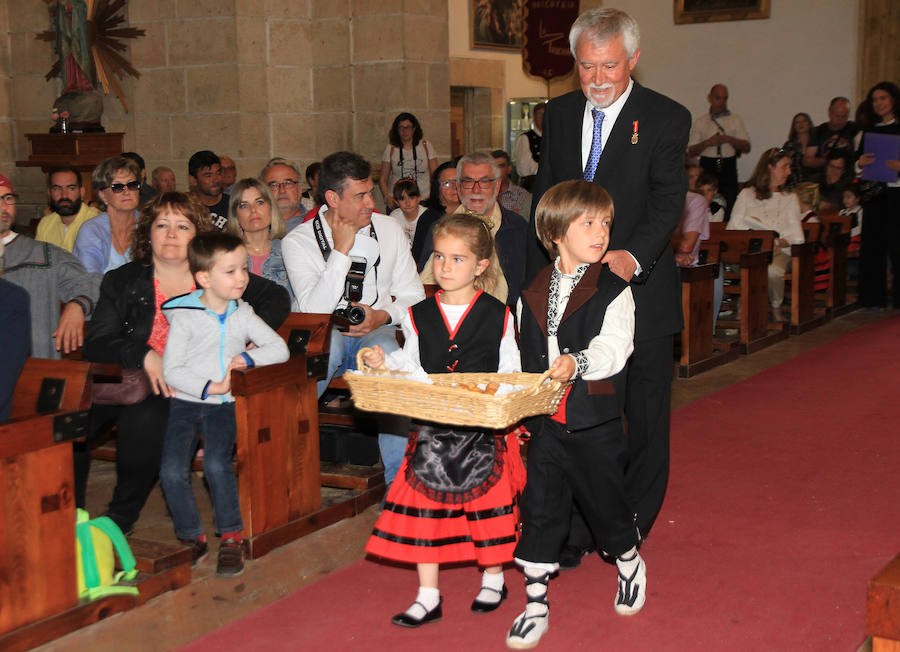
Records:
x=585, y=467
x=647, y=410
x=725, y=170
x=880, y=241
x=140, y=431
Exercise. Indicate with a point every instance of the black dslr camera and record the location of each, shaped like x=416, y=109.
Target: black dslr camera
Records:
x=353, y=291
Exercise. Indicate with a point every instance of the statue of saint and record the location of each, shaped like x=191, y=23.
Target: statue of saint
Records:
x=70, y=24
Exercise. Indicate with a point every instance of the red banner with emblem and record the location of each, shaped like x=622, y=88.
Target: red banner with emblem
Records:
x=545, y=45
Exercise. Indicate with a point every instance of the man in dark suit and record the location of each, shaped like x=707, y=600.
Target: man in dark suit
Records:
x=639, y=159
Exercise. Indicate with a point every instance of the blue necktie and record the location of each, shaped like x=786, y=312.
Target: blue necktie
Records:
x=596, y=146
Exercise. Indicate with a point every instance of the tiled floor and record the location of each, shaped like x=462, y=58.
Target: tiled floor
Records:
x=208, y=603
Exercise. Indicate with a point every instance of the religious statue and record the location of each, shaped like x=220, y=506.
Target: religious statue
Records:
x=70, y=19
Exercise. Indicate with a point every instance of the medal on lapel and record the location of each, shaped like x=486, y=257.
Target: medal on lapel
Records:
x=634, y=135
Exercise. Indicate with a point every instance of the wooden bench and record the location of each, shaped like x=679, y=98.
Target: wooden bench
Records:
x=699, y=350
x=801, y=279
x=883, y=608
x=38, y=593
x=836, y=238
x=751, y=251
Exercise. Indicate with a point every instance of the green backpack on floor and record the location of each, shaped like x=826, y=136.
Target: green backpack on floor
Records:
x=95, y=540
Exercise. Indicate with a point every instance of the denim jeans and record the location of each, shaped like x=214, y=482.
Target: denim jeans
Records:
x=343, y=358
x=187, y=421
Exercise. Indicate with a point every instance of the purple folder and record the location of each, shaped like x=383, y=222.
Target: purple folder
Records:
x=885, y=147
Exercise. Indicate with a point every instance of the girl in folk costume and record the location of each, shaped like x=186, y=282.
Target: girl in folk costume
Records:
x=454, y=498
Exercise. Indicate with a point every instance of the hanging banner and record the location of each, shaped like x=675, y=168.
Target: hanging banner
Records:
x=545, y=46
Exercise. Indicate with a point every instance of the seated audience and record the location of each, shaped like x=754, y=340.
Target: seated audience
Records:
x=147, y=191
x=836, y=135
x=444, y=198
x=409, y=210
x=69, y=212
x=229, y=173
x=256, y=219
x=205, y=175
x=310, y=198
x=478, y=180
x=325, y=258
x=795, y=146
x=51, y=276
x=763, y=205
x=852, y=207
x=512, y=197
x=163, y=179
x=104, y=242
x=838, y=174
x=129, y=329
x=282, y=177
x=16, y=319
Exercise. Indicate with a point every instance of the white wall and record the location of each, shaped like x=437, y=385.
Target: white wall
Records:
x=796, y=60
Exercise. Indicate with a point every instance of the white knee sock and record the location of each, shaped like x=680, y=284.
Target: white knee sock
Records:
x=426, y=600
x=536, y=590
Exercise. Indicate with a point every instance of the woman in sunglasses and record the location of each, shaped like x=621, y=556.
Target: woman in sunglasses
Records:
x=104, y=241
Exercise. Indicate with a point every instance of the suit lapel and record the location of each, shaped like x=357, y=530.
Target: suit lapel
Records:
x=620, y=136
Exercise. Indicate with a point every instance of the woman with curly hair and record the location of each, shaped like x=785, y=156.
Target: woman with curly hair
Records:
x=410, y=155
x=129, y=329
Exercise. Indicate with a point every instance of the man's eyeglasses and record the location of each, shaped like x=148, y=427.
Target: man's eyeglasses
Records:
x=451, y=183
x=469, y=184
x=9, y=198
x=119, y=188
x=287, y=184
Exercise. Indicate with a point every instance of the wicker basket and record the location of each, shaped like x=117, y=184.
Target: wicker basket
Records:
x=443, y=402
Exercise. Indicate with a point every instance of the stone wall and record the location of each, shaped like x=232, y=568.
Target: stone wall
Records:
x=248, y=78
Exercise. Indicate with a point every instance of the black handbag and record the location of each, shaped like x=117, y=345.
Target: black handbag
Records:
x=134, y=388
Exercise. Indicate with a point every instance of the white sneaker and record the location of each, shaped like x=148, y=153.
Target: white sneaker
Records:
x=632, y=593
x=527, y=630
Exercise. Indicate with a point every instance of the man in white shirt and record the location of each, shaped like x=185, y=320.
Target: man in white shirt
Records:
x=527, y=150
x=353, y=260
x=718, y=138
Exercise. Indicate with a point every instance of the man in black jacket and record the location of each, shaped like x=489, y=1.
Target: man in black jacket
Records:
x=631, y=140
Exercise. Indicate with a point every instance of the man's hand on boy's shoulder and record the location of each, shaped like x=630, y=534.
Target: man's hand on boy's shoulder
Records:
x=621, y=263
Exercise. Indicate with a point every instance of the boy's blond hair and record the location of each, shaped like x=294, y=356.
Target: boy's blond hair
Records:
x=563, y=204
x=808, y=194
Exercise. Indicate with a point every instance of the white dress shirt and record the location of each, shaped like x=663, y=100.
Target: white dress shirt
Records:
x=319, y=285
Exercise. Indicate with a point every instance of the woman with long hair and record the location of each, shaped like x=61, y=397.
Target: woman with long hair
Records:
x=881, y=204
x=762, y=204
x=409, y=155
x=795, y=145
x=254, y=216
x=444, y=198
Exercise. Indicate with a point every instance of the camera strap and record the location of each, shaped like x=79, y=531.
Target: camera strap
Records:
x=325, y=248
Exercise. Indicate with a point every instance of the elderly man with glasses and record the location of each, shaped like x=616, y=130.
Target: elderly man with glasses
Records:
x=478, y=182
x=283, y=179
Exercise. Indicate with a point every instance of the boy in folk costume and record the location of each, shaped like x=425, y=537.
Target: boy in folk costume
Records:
x=577, y=319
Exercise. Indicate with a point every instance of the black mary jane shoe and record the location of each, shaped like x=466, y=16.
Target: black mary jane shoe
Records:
x=405, y=620
x=480, y=607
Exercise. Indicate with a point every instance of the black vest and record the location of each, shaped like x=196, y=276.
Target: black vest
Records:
x=534, y=144
x=474, y=347
x=590, y=403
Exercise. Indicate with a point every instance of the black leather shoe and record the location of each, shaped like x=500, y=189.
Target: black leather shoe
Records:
x=480, y=607
x=405, y=620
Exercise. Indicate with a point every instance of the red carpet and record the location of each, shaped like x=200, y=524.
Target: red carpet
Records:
x=783, y=502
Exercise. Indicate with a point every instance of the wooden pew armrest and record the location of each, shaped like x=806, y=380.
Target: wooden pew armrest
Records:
x=257, y=380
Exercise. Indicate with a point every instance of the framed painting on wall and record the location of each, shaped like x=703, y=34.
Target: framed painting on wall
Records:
x=704, y=11
x=496, y=24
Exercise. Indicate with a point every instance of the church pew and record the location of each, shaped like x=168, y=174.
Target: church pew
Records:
x=882, y=612
x=38, y=593
x=751, y=252
x=801, y=281
x=836, y=237
x=698, y=348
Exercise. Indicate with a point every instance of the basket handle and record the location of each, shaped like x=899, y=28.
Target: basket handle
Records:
x=362, y=367
x=540, y=381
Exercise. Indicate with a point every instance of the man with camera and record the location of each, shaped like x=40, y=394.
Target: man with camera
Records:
x=354, y=263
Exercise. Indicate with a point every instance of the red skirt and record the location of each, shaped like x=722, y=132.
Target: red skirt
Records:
x=413, y=528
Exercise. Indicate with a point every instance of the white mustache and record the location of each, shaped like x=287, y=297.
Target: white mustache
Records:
x=601, y=87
